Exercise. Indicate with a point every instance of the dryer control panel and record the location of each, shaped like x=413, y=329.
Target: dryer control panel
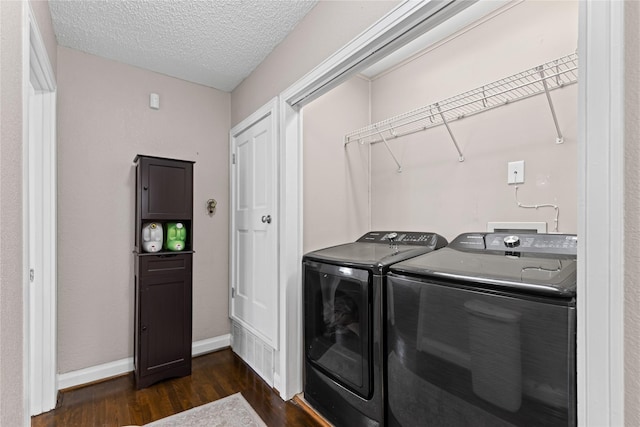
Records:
x=564, y=244
x=415, y=238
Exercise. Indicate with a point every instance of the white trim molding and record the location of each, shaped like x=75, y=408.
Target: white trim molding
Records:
x=403, y=24
x=95, y=373
x=600, y=337
x=123, y=366
x=211, y=344
x=289, y=358
x=27, y=16
x=39, y=297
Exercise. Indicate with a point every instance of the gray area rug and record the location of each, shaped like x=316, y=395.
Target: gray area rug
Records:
x=231, y=411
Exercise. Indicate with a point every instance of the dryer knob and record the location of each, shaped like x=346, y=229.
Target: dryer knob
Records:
x=511, y=241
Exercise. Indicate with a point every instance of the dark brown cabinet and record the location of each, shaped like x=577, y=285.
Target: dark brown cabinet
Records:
x=163, y=286
x=166, y=188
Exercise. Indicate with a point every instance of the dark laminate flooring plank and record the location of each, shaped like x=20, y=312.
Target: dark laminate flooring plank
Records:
x=116, y=402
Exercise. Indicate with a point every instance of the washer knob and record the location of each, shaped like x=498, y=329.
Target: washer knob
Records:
x=392, y=237
x=511, y=241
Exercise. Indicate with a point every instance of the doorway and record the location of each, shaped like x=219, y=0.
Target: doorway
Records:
x=39, y=213
x=253, y=293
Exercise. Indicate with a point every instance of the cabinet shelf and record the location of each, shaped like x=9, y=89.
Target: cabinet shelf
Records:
x=162, y=253
x=534, y=81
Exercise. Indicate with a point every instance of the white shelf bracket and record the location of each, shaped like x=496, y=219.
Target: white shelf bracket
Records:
x=453, y=138
x=386, y=144
x=560, y=138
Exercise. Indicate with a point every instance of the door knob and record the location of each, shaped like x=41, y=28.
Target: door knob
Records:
x=266, y=218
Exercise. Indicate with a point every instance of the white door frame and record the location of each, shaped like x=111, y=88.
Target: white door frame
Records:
x=601, y=196
x=41, y=391
x=601, y=214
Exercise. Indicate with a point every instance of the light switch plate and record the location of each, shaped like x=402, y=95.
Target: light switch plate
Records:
x=515, y=172
x=154, y=101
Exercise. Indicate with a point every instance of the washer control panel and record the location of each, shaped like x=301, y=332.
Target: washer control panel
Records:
x=566, y=244
x=404, y=238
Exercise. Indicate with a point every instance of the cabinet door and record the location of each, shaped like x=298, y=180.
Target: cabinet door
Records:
x=165, y=323
x=166, y=189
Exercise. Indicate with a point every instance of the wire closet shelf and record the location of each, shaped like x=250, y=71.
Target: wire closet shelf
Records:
x=541, y=79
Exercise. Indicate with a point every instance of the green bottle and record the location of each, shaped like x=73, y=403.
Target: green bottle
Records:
x=176, y=236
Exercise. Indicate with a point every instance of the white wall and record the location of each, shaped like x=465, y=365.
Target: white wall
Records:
x=632, y=217
x=435, y=192
x=11, y=313
x=336, y=179
x=104, y=120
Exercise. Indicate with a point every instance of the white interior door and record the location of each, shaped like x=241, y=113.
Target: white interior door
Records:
x=254, y=287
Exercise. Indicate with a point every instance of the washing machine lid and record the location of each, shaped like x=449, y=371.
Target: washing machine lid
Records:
x=543, y=264
x=376, y=253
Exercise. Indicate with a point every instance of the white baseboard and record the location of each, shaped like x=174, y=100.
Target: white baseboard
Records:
x=95, y=373
x=211, y=344
x=276, y=382
x=122, y=366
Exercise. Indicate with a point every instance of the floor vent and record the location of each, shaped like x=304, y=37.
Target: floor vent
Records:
x=254, y=351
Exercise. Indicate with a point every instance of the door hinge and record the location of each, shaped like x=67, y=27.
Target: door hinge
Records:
x=233, y=158
x=233, y=292
x=32, y=274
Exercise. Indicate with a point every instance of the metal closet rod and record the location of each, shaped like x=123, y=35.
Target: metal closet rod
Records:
x=534, y=81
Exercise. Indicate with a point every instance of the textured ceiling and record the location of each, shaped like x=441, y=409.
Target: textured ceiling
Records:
x=216, y=43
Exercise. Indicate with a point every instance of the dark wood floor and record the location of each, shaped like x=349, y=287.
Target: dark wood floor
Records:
x=216, y=375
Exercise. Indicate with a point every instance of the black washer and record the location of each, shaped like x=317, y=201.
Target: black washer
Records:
x=343, y=288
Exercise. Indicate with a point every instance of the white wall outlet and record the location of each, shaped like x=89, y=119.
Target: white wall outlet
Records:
x=154, y=101
x=515, y=172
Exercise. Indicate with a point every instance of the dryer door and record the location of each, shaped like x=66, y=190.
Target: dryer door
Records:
x=337, y=321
